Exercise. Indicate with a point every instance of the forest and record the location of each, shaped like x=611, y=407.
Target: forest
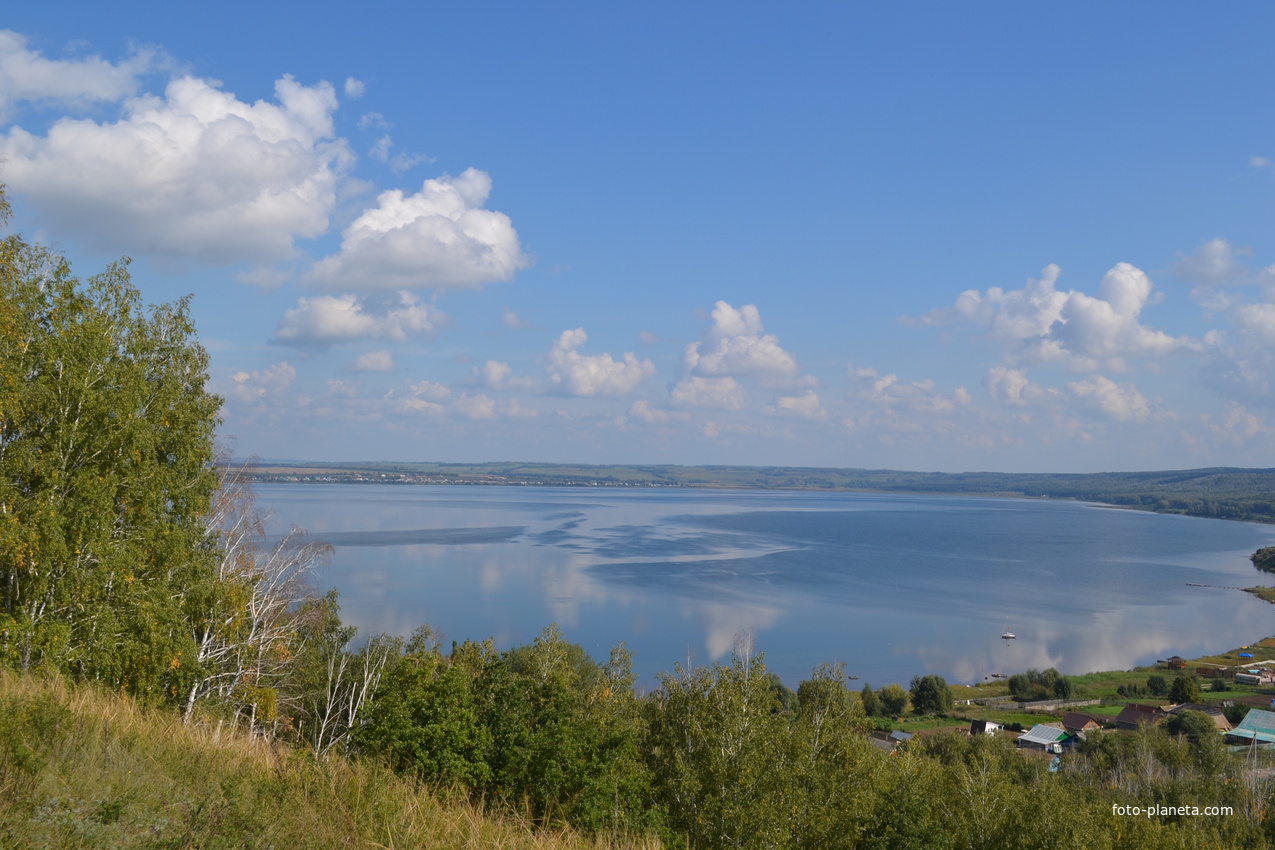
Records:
x=134, y=564
x=1218, y=493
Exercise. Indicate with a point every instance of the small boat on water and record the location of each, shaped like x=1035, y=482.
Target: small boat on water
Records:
x=1007, y=634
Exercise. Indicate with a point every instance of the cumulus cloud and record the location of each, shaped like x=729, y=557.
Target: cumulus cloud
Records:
x=593, y=374
x=258, y=386
x=498, y=375
x=399, y=163
x=1012, y=387
x=437, y=400
x=733, y=350
x=1214, y=263
x=325, y=320
x=354, y=89
x=719, y=393
x=1237, y=426
x=806, y=406
x=513, y=320
x=439, y=237
x=885, y=390
x=1121, y=402
x=736, y=345
x=374, y=361
x=643, y=411
x=1039, y=323
x=195, y=174
x=25, y=75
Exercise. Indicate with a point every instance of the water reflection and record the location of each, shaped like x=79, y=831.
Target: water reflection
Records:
x=891, y=585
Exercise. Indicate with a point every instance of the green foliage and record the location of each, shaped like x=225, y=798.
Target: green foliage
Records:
x=714, y=748
x=542, y=728
x=101, y=773
x=1235, y=712
x=1195, y=725
x=1264, y=559
x=1035, y=685
x=930, y=695
x=893, y=699
x=871, y=704
x=1184, y=689
x=106, y=444
x=1158, y=685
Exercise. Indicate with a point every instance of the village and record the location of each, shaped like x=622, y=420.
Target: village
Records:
x=1234, y=690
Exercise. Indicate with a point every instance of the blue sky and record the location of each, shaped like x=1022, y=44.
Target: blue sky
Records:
x=999, y=236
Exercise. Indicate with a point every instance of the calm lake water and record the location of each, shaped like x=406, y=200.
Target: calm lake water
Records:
x=891, y=585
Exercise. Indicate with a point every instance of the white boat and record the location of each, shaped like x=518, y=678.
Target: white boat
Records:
x=1007, y=634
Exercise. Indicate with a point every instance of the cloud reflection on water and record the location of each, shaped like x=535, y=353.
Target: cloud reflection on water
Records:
x=815, y=576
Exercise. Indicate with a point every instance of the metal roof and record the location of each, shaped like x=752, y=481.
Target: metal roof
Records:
x=1043, y=733
x=1257, y=725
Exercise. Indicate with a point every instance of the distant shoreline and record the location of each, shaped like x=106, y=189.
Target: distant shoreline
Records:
x=1214, y=493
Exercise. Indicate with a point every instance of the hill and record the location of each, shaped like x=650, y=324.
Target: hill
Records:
x=83, y=768
x=1218, y=492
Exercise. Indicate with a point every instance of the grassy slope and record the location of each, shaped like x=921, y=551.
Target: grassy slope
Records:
x=79, y=768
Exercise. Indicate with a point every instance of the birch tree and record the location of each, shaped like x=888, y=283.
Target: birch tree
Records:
x=106, y=447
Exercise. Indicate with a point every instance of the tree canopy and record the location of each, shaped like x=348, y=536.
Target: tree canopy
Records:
x=106, y=475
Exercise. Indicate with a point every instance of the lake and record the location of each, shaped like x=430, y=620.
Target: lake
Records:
x=892, y=585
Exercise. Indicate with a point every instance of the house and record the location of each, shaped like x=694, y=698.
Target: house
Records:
x=889, y=741
x=985, y=727
x=1176, y=662
x=1134, y=715
x=1045, y=737
x=1215, y=714
x=1079, y=725
x=1257, y=727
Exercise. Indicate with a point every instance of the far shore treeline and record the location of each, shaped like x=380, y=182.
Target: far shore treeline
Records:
x=1218, y=493
x=133, y=562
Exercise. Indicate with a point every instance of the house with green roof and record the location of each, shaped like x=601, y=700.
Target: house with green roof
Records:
x=1257, y=727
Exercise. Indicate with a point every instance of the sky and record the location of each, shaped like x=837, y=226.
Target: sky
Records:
x=985, y=236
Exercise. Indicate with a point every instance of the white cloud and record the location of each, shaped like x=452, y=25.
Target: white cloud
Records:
x=439, y=237
x=1014, y=388
x=1038, y=323
x=195, y=174
x=25, y=75
x=498, y=375
x=806, y=406
x=736, y=345
x=1215, y=262
x=1257, y=319
x=374, y=361
x=257, y=386
x=654, y=415
x=381, y=150
x=1121, y=402
x=1237, y=427
x=513, y=320
x=720, y=393
x=327, y=320
x=354, y=89
x=436, y=400
x=593, y=374
x=884, y=390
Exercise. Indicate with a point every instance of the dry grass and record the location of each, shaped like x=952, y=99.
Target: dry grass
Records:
x=80, y=768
